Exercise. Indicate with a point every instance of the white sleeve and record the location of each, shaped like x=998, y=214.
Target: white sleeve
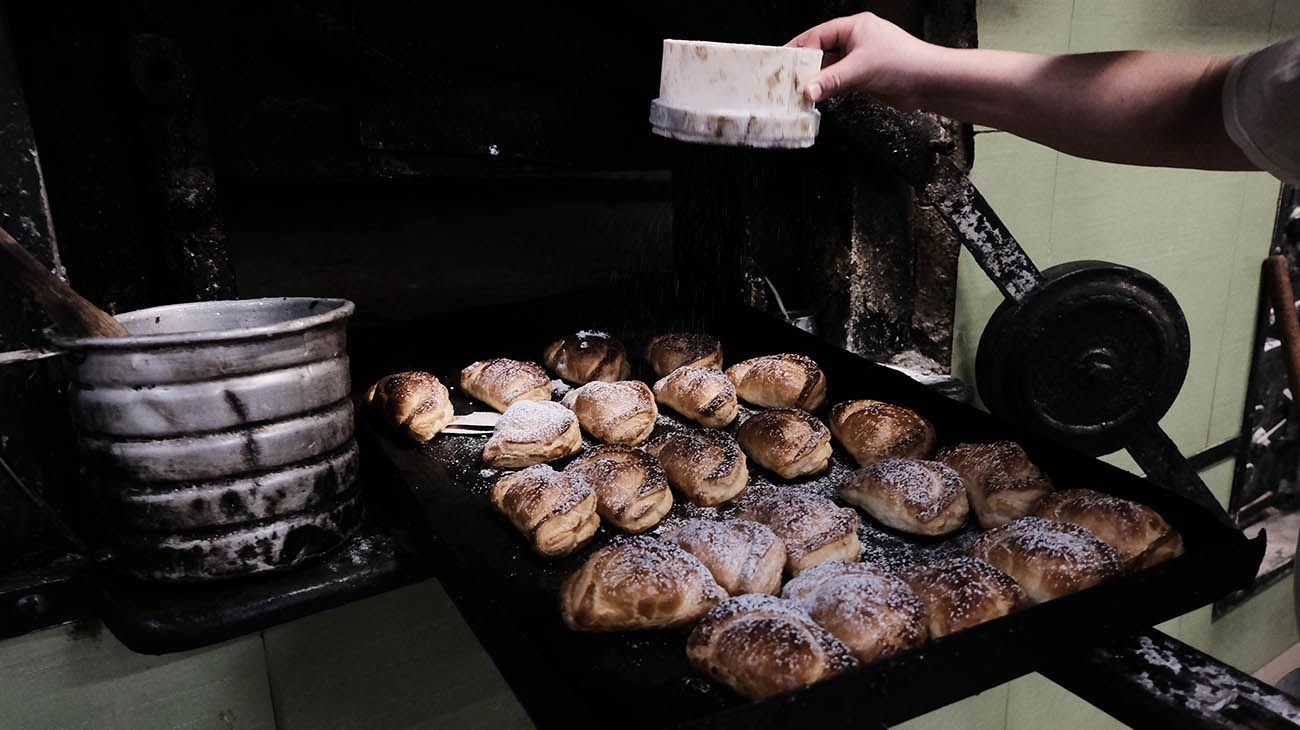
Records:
x=1261, y=108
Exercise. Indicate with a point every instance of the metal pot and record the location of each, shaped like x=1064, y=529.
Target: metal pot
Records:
x=219, y=435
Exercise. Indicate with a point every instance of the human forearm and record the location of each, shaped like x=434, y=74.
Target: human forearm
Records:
x=1133, y=107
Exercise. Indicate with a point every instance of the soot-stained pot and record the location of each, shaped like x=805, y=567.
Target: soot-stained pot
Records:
x=219, y=435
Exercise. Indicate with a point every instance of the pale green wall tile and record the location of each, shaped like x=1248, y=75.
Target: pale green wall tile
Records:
x=1254, y=236
x=1018, y=177
x=1241, y=15
x=1142, y=215
x=1179, y=25
x=400, y=661
x=1036, y=702
x=81, y=677
x=1123, y=461
x=1250, y=636
x=1286, y=20
x=985, y=710
x=1103, y=35
x=1037, y=26
x=1173, y=627
x=1219, y=479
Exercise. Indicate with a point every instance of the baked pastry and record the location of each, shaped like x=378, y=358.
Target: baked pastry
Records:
x=743, y=556
x=631, y=490
x=871, y=610
x=919, y=497
x=1001, y=481
x=554, y=511
x=872, y=431
x=780, y=381
x=813, y=528
x=761, y=646
x=703, y=395
x=790, y=442
x=1048, y=559
x=585, y=356
x=706, y=465
x=1138, y=533
x=638, y=583
x=962, y=592
x=615, y=413
x=666, y=353
x=502, y=381
x=414, y=403
x=532, y=432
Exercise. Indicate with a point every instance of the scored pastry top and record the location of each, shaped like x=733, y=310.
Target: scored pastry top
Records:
x=665, y=353
x=527, y=421
x=587, y=356
x=995, y=467
x=501, y=381
x=926, y=488
x=786, y=380
x=792, y=432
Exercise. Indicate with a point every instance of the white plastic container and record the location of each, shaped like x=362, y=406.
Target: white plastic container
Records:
x=736, y=94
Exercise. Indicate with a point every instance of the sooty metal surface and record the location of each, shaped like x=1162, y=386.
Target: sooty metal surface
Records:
x=219, y=435
x=509, y=595
x=1152, y=681
x=158, y=618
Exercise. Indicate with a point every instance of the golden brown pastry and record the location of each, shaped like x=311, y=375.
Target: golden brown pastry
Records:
x=743, y=556
x=761, y=646
x=706, y=465
x=1002, y=482
x=666, y=353
x=1048, y=559
x=615, y=413
x=788, y=441
x=414, y=403
x=703, y=395
x=585, y=357
x=813, y=528
x=555, y=512
x=871, y=610
x=1140, y=535
x=919, y=497
x=638, y=583
x=631, y=490
x=532, y=432
x=872, y=431
x=502, y=381
x=962, y=592
x=780, y=381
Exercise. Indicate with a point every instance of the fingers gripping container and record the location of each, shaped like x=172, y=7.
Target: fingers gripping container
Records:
x=737, y=95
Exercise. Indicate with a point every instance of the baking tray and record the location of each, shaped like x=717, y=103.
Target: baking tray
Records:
x=508, y=595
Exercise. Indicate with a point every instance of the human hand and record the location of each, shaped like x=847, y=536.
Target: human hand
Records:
x=868, y=53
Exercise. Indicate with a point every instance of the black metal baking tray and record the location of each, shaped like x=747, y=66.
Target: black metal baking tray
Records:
x=642, y=680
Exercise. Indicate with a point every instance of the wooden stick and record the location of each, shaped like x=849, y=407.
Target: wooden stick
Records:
x=1288, y=324
x=71, y=312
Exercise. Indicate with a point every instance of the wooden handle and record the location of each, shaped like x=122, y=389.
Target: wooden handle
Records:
x=1288, y=324
x=71, y=312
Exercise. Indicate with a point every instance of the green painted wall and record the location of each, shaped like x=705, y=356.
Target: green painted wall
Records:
x=406, y=660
